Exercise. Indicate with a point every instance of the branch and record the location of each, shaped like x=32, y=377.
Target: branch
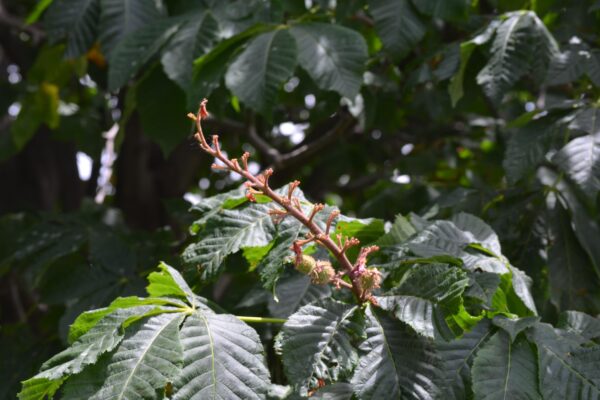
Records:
x=305, y=151
x=259, y=184
x=283, y=161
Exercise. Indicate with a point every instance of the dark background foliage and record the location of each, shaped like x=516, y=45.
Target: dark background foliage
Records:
x=378, y=107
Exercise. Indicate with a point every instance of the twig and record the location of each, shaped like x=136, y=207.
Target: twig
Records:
x=260, y=184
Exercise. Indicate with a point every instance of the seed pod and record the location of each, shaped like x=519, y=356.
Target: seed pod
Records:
x=370, y=279
x=306, y=265
x=323, y=273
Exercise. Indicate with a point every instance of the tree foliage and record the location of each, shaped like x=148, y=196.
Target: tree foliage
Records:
x=457, y=141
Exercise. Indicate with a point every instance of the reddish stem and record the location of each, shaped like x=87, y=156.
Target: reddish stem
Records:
x=261, y=183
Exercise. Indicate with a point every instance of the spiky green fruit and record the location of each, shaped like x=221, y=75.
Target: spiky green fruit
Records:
x=306, y=265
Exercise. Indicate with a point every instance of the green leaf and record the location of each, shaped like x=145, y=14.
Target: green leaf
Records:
x=527, y=148
x=315, y=344
x=169, y=282
x=162, y=121
x=294, y=291
x=227, y=232
x=119, y=18
x=399, y=232
x=102, y=338
x=75, y=20
x=272, y=265
x=580, y=159
x=445, y=238
x=85, y=384
x=223, y=359
x=505, y=370
x=455, y=88
x=482, y=287
x=570, y=65
x=398, y=26
x=478, y=231
x=573, y=283
x=581, y=323
x=561, y=360
x=522, y=43
x=586, y=120
x=145, y=361
x=135, y=50
x=514, y=326
x=89, y=319
x=37, y=12
x=209, y=68
x=258, y=72
x=396, y=362
x=457, y=357
x=333, y=56
x=196, y=37
x=444, y=9
x=424, y=298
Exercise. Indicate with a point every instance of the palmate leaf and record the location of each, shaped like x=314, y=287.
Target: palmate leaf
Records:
x=424, y=298
x=145, y=347
x=567, y=370
x=77, y=20
x=333, y=56
x=505, y=370
x=258, y=72
x=315, y=344
x=397, y=25
x=118, y=18
x=229, y=231
x=145, y=361
x=522, y=44
x=397, y=363
x=223, y=359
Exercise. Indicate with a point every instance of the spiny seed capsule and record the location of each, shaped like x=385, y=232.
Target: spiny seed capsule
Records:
x=323, y=273
x=370, y=279
x=306, y=265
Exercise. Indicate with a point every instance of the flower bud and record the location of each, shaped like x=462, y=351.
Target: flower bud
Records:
x=306, y=264
x=370, y=279
x=322, y=273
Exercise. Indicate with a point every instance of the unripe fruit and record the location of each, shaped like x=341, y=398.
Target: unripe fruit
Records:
x=323, y=273
x=306, y=265
x=370, y=279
